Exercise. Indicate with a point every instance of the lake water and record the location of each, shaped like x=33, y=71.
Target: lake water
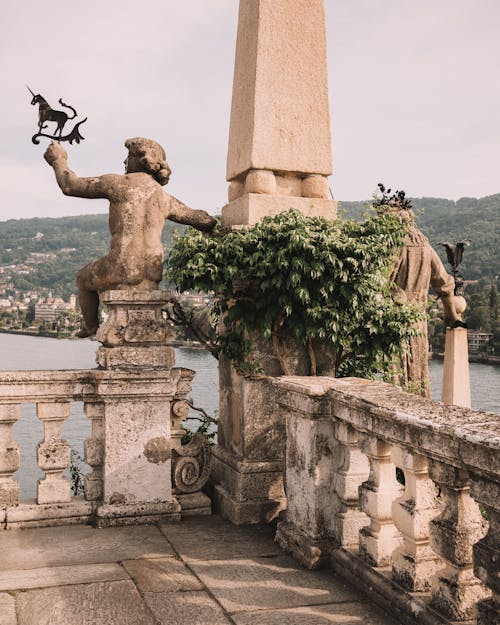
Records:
x=27, y=352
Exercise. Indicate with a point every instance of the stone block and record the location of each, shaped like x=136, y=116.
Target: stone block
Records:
x=194, y=504
x=213, y=538
x=120, y=514
x=250, y=208
x=280, y=581
x=161, y=575
x=9, y=493
x=260, y=181
x=26, y=515
x=7, y=609
x=78, y=545
x=137, y=467
x=315, y=186
x=246, y=512
x=136, y=357
x=309, y=552
x=44, y=577
x=186, y=608
x=456, y=377
x=333, y=614
x=105, y=603
x=51, y=491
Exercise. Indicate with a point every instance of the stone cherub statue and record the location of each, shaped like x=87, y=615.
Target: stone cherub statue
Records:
x=137, y=209
x=416, y=268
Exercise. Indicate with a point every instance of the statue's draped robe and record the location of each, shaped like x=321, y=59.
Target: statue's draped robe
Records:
x=417, y=267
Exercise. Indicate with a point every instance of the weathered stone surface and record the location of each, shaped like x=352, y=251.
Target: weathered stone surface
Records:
x=49, y=547
x=281, y=584
x=188, y=608
x=137, y=211
x=119, y=514
x=280, y=117
x=456, y=377
x=126, y=357
x=249, y=209
x=60, y=576
x=213, y=538
x=343, y=613
x=25, y=515
x=105, y=603
x=194, y=504
x=161, y=575
x=7, y=609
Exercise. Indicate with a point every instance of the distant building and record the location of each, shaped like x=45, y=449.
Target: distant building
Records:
x=477, y=339
x=50, y=308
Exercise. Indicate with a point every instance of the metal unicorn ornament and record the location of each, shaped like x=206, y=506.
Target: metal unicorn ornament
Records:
x=47, y=114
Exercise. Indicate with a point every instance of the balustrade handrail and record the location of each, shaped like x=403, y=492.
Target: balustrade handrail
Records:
x=451, y=434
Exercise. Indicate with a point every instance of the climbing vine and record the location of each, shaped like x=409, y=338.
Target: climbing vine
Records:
x=307, y=278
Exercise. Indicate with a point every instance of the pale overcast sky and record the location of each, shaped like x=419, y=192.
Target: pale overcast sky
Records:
x=414, y=95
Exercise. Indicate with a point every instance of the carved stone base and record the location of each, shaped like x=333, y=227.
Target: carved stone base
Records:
x=194, y=504
x=31, y=514
x=311, y=553
x=247, y=492
x=252, y=207
x=113, y=515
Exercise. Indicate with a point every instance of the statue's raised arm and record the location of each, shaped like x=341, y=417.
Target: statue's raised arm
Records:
x=138, y=207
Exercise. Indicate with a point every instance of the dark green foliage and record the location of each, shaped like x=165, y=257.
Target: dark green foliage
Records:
x=302, y=277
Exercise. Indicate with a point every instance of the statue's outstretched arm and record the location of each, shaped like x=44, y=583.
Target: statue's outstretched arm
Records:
x=182, y=214
x=71, y=184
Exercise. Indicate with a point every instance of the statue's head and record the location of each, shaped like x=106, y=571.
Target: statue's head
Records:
x=397, y=204
x=147, y=156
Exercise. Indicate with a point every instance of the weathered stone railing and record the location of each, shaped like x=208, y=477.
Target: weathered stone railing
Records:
x=136, y=402
x=429, y=550
x=129, y=449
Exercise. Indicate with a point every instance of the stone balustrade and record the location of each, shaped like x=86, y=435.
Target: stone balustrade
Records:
x=428, y=550
x=127, y=410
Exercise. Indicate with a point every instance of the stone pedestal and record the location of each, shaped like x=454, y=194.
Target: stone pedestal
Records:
x=135, y=389
x=456, y=377
x=249, y=458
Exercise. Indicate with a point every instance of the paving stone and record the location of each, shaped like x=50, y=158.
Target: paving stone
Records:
x=214, y=538
x=185, y=608
x=107, y=603
x=61, y=546
x=7, y=609
x=161, y=575
x=267, y=583
x=60, y=576
x=344, y=613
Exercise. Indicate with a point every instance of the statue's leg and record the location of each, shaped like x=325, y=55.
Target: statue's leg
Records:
x=89, y=302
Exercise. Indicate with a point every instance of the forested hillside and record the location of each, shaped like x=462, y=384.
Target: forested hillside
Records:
x=46, y=253
x=445, y=220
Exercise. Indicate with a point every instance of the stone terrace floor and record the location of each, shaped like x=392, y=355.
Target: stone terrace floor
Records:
x=202, y=571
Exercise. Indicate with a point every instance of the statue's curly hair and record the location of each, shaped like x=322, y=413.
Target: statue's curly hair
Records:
x=151, y=156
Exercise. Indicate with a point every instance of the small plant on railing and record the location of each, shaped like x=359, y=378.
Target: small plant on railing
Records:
x=76, y=474
x=316, y=281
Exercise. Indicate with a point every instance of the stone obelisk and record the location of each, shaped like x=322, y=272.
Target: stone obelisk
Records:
x=279, y=152
x=279, y=157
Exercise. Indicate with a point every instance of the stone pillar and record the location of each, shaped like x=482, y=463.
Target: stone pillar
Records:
x=135, y=389
x=279, y=157
x=9, y=456
x=279, y=152
x=456, y=378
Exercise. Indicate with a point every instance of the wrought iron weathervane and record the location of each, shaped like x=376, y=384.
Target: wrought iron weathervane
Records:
x=47, y=114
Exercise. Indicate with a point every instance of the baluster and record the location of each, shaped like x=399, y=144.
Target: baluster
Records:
x=54, y=454
x=487, y=550
x=455, y=589
x=414, y=563
x=9, y=456
x=351, y=469
x=94, y=450
x=378, y=541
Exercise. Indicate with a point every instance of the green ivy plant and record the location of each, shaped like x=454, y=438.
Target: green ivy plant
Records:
x=308, y=278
